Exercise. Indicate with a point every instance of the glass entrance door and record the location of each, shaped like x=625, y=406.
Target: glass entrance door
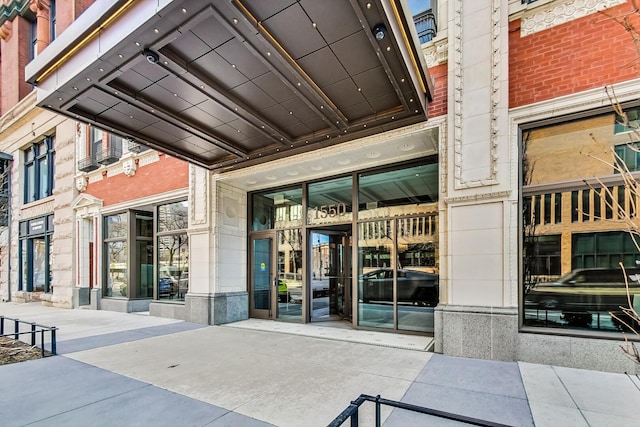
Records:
x=330, y=282
x=263, y=285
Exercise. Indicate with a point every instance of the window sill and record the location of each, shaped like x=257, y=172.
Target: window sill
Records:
x=38, y=202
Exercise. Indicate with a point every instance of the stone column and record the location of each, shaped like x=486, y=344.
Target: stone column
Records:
x=217, y=251
x=478, y=312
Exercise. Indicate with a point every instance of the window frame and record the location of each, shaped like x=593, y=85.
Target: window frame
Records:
x=38, y=154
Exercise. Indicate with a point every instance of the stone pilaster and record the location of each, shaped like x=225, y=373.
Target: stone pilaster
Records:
x=479, y=299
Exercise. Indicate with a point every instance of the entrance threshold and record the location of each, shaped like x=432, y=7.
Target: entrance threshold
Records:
x=338, y=331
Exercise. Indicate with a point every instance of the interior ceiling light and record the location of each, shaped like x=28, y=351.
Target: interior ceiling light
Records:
x=379, y=31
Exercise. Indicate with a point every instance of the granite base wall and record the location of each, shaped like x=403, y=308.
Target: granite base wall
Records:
x=124, y=306
x=167, y=310
x=477, y=332
x=576, y=352
x=217, y=309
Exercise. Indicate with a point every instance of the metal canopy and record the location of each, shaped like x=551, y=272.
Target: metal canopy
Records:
x=227, y=84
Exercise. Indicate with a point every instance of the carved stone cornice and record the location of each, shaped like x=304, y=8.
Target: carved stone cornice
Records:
x=436, y=52
x=12, y=8
x=560, y=12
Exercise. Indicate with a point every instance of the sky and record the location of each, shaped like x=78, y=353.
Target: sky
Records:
x=418, y=6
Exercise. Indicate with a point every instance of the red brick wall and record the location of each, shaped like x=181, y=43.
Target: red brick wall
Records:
x=438, y=106
x=15, y=56
x=586, y=53
x=165, y=175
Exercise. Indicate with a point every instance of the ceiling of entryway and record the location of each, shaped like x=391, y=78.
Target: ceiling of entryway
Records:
x=227, y=84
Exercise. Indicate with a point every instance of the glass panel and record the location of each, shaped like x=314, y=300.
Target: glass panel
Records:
x=278, y=209
x=289, y=269
x=23, y=286
x=30, y=185
x=173, y=216
x=571, y=277
x=144, y=224
x=144, y=269
x=417, y=273
x=117, y=273
x=116, y=226
x=330, y=201
x=261, y=290
x=331, y=273
x=173, y=266
x=44, y=178
x=375, y=275
x=411, y=190
x=39, y=265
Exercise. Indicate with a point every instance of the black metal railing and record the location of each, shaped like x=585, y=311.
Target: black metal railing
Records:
x=88, y=164
x=34, y=330
x=134, y=147
x=425, y=23
x=109, y=155
x=351, y=413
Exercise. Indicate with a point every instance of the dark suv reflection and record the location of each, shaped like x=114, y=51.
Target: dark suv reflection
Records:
x=414, y=287
x=583, y=291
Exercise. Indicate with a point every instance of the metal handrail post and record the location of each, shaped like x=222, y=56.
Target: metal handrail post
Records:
x=354, y=416
x=1, y=325
x=53, y=341
x=16, y=329
x=378, y=411
x=33, y=333
x=42, y=341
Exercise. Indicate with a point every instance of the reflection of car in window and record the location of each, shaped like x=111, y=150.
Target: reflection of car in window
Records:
x=168, y=280
x=585, y=290
x=414, y=287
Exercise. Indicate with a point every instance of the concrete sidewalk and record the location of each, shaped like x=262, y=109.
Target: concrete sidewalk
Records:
x=133, y=370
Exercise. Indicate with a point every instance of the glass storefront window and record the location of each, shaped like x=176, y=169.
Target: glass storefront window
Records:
x=173, y=267
x=143, y=264
x=277, y=209
x=417, y=272
x=172, y=216
x=375, y=274
x=116, y=226
x=330, y=201
x=575, y=231
x=35, y=254
x=404, y=191
x=172, y=251
x=397, y=248
x=118, y=272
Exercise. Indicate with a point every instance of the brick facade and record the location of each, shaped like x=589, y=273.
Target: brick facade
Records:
x=438, y=107
x=589, y=52
x=159, y=177
x=15, y=56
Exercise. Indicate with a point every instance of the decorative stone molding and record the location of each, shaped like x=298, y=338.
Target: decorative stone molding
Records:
x=12, y=8
x=129, y=166
x=38, y=208
x=6, y=29
x=86, y=206
x=478, y=197
x=560, y=12
x=81, y=183
x=199, y=185
x=577, y=102
x=436, y=52
x=494, y=96
x=148, y=157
